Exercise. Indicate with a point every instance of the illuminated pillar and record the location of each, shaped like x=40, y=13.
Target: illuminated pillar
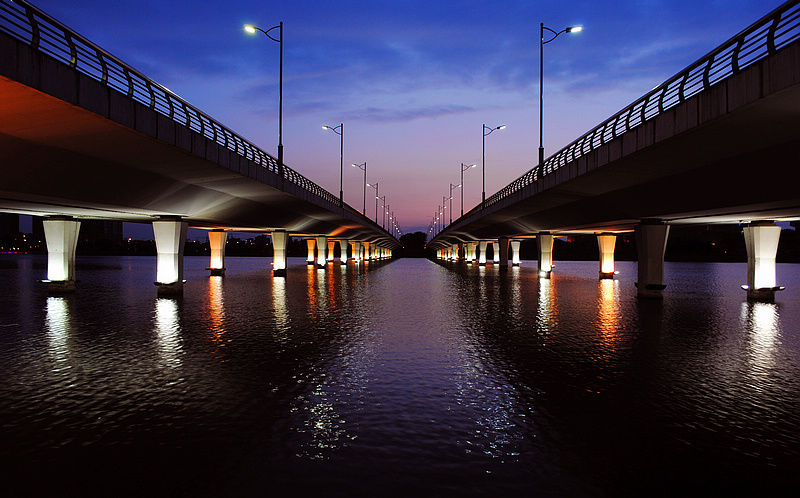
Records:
x=280, y=240
x=310, y=258
x=331, y=246
x=61, y=235
x=365, y=247
x=761, y=241
x=343, y=248
x=322, y=243
x=473, y=252
x=482, y=255
x=170, y=240
x=515, y=250
x=217, y=240
x=651, y=242
x=545, y=241
x=354, y=255
x=606, y=243
x=503, y=253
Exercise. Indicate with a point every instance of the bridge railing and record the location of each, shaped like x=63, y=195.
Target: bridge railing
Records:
x=47, y=35
x=773, y=32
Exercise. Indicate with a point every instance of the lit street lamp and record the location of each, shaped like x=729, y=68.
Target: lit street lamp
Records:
x=485, y=133
x=452, y=187
x=376, y=200
x=542, y=27
x=341, y=157
x=252, y=30
x=364, y=168
x=464, y=167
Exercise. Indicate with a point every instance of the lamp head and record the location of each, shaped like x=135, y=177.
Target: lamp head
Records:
x=500, y=127
x=326, y=127
x=250, y=28
x=574, y=29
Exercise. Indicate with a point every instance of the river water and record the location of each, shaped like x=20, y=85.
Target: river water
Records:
x=403, y=378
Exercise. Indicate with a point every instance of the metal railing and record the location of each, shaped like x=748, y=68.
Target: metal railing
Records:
x=33, y=27
x=773, y=32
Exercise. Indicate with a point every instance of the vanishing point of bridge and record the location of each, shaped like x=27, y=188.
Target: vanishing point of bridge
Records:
x=716, y=143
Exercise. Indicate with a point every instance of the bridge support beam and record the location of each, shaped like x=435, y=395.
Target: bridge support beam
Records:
x=311, y=244
x=515, y=252
x=280, y=241
x=503, y=253
x=217, y=240
x=322, y=243
x=761, y=242
x=343, y=249
x=482, y=256
x=651, y=242
x=331, y=246
x=170, y=240
x=606, y=243
x=545, y=263
x=61, y=236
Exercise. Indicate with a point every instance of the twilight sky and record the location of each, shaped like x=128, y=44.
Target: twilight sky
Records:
x=413, y=81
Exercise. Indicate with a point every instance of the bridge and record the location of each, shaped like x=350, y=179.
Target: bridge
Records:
x=85, y=136
x=716, y=143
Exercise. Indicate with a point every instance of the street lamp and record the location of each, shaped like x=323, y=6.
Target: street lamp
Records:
x=452, y=187
x=376, y=200
x=341, y=157
x=485, y=133
x=542, y=28
x=364, y=168
x=252, y=30
x=383, y=209
x=464, y=167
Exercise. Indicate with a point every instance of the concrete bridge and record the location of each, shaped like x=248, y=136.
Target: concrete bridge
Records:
x=716, y=143
x=84, y=136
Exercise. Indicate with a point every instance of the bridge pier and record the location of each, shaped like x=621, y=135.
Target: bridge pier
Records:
x=761, y=241
x=343, y=249
x=170, y=240
x=606, y=243
x=454, y=252
x=353, y=250
x=482, y=257
x=311, y=244
x=322, y=243
x=217, y=240
x=473, y=252
x=503, y=253
x=280, y=240
x=331, y=245
x=61, y=236
x=365, y=249
x=545, y=264
x=515, y=252
x=651, y=242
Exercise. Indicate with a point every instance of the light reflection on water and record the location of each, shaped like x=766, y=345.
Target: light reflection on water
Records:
x=435, y=379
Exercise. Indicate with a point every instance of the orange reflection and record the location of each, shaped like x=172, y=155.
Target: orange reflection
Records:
x=216, y=310
x=607, y=315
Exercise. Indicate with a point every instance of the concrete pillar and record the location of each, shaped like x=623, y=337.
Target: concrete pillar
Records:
x=606, y=243
x=365, y=247
x=651, y=242
x=280, y=241
x=503, y=253
x=170, y=241
x=353, y=251
x=310, y=258
x=331, y=245
x=515, y=252
x=545, y=264
x=217, y=240
x=473, y=251
x=761, y=241
x=61, y=235
x=322, y=243
x=343, y=248
x=482, y=255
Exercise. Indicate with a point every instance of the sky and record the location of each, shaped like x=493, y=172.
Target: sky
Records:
x=412, y=81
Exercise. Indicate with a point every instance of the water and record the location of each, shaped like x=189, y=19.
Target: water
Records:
x=402, y=378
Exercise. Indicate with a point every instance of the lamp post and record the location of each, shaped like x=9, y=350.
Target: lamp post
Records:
x=485, y=133
x=464, y=167
x=453, y=187
x=364, y=168
x=383, y=209
x=376, y=200
x=542, y=43
x=341, y=157
x=252, y=30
